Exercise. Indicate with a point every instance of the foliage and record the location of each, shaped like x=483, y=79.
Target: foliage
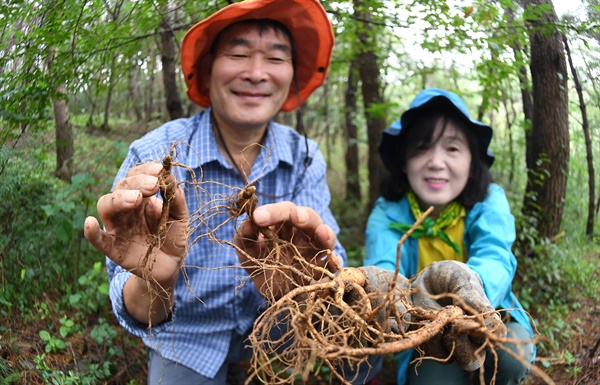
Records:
x=7, y=376
x=349, y=217
x=42, y=251
x=25, y=189
x=53, y=344
x=551, y=284
x=92, y=294
x=42, y=226
x=95, y=373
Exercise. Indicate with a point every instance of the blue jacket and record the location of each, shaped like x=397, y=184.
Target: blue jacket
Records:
x=489, y=235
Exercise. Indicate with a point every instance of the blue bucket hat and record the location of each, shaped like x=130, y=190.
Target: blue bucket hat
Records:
x=426, y=99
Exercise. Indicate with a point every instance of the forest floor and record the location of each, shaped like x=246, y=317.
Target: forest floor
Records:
x=584, y=367
x=23, y=345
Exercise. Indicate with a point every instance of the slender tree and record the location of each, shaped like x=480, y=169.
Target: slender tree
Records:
x=111, y=83
x=510, y=114
x=351, y=135
x=150, y=86
x=372, y=96
x=169, y=63
x=113, y=10
x=133, y=90
x=65, y=149
x=589, y=229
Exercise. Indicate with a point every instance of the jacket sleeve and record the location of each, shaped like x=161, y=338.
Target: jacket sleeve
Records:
x=381, y=240
x=489, y=234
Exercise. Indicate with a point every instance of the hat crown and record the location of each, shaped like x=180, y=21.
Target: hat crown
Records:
x=434, y=98
x=426, y=95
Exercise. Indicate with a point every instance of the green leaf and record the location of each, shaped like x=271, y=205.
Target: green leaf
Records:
x=74, y=299
x=103, y=288
x=45, y=336
x=60, y=344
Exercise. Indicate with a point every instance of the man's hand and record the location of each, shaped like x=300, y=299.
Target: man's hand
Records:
x=276, y=244
x=456, y=278
x=131, y=215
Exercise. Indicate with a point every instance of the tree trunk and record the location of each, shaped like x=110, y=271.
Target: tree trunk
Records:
x=351, y=135
x=109, y=93
x=371, y=93
x=549, y=140
x=589, y=230
x=149, y=95
x=65, y=149
x=329, y=137
x=526, y=97
x=133, y=93
x=509, y=107
x=485, y=104
x=90, y=96
x=168, y=56
x=591, y=78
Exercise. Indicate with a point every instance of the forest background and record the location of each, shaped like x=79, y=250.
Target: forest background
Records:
x=79, y=80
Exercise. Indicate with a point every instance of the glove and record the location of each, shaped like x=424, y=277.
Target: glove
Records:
x=456, y=278
x=378, y=281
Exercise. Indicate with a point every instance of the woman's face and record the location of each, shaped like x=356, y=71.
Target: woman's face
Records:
x=439, y=171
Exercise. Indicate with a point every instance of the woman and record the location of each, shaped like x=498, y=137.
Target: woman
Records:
x=438, y=156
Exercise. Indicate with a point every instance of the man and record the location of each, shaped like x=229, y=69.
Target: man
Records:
x=245, y=63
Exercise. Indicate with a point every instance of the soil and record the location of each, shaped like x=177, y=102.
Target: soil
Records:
x=20, y=345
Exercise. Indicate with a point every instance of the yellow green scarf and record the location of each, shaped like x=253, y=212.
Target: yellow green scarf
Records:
x=431, y=227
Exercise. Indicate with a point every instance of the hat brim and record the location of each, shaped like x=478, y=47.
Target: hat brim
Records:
x=306, y=21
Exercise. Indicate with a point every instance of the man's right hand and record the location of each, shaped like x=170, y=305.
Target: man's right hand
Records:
x=130, y=215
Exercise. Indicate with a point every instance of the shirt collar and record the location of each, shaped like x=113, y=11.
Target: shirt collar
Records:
x=276, y=145
x=204, y=149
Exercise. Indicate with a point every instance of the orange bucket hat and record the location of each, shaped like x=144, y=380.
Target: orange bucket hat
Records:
x=306, y=21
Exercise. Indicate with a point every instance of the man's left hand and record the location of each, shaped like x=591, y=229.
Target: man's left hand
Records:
x=279, y=245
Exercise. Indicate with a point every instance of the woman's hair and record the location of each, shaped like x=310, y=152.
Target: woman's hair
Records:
x=418, y=133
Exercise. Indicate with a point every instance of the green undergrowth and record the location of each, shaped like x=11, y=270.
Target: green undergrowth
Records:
x=53, y=291
x=558, y=286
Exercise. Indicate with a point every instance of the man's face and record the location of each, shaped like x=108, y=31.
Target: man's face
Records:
x=439, y=172
x=250, y=77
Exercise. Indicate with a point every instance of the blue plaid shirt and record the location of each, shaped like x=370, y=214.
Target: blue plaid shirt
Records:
x=209, y=301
